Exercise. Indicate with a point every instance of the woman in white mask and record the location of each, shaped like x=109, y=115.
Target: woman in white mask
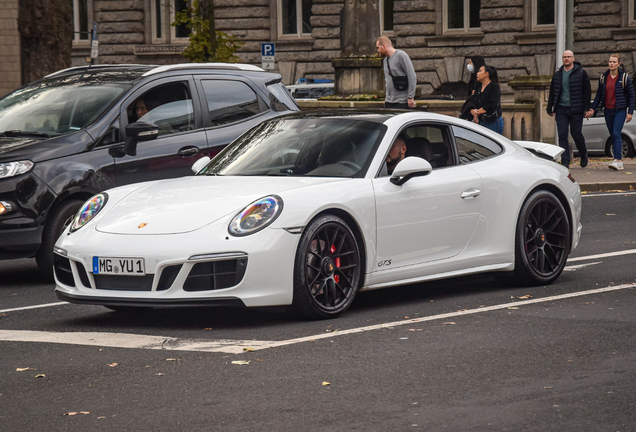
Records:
x=474, y=64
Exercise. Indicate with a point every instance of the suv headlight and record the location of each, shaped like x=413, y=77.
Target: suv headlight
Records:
x=88, y=211
x=256, y=216
x=10, y=169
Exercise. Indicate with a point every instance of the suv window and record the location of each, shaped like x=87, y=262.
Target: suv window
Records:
x=472, y=146
x=168, y=106
x=230, y=101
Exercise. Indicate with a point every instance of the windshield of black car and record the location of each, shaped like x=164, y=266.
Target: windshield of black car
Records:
x=315, y=147
x=57, y=108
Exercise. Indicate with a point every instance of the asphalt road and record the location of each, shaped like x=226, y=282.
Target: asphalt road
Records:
x=468, y=354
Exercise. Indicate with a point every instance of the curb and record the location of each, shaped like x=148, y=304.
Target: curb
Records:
x=607, y=186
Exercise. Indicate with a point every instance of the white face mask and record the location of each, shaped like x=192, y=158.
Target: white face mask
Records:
x=470, y=68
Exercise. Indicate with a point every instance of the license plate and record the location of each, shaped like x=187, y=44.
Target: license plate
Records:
x=119, y=266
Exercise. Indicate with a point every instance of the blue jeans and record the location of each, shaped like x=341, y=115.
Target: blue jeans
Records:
x=565, y=119
x=614, y=120
x=496, y=125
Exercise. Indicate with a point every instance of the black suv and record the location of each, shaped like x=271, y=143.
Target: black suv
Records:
x=84, y=130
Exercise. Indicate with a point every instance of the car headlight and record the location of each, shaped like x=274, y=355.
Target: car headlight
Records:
x=10, y=169
x=256, y=216
x=88, y=211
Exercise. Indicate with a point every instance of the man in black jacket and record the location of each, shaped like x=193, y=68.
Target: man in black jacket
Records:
x=569, y=100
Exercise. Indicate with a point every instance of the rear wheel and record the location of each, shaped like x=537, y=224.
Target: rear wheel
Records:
x=59, y=219
x=542, y=241
x=627, y=150
x=327, y=269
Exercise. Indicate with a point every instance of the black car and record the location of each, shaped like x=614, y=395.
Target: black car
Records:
x=84, y=130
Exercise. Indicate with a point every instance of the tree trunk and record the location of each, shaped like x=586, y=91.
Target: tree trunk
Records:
x=46, y=32
x=207, y=12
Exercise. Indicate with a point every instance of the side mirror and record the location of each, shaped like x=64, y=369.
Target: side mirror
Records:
x=139, y=131
x=200, y=164
x=408, y=168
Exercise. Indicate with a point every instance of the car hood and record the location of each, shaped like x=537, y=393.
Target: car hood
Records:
x=189, y=203
x=38, y=149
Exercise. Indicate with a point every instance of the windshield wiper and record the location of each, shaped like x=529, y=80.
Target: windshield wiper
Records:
x=19, y=133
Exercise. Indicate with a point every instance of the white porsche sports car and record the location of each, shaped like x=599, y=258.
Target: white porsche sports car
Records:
x=302, y=211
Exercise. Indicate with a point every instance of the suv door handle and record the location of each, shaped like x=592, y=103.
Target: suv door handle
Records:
x=188, y=151
x=470, y=193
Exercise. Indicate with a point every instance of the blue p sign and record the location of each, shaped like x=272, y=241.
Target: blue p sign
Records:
x=267, y=49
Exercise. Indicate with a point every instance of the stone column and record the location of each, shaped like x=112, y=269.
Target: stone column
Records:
x=358, y=70
x=536, y=89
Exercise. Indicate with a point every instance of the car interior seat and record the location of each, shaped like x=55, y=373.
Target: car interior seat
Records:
x=420, y=147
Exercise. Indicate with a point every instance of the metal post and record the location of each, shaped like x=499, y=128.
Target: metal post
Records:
x=560, y=32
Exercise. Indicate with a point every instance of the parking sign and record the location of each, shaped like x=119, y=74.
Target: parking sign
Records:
x=267, y=55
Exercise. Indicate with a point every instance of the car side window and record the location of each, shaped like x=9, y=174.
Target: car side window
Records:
x=230, y=101
x=430, y=142
x=472, y=146
x=168, y=106
x=111, y=136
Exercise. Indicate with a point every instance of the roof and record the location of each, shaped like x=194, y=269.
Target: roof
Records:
x=373, y=115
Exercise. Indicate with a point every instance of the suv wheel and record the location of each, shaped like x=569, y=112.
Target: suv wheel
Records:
x=60, y=218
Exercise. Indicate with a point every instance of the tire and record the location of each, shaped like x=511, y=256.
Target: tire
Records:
x=542, y=240
x=628, y=148
x=59, y=219
x=327, y=269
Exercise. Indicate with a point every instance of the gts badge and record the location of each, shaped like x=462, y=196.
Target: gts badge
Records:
x=384, y=263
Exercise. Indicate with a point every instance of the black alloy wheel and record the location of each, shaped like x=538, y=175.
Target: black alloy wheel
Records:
x=542, y=241
x=327, y=269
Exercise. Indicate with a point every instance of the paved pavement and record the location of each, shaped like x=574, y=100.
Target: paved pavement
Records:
x=598, y=177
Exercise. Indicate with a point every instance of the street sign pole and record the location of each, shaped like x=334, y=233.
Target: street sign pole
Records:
x=94, y=44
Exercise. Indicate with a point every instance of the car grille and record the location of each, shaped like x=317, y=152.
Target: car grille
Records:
x=124, y=283
x=216, y=275
x=62, y=268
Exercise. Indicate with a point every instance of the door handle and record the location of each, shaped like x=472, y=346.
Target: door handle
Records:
x=188, y=151
x=470, y=193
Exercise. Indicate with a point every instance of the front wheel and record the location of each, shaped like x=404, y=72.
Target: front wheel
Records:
x=59, y=219
x=542, y=242
x=327, y=269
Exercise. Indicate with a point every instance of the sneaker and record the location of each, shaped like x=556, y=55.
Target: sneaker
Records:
x=584, y=161
x=617, y=165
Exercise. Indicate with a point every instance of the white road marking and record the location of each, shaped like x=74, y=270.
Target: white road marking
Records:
x=579, y=266
x=119, y=340
x=33, y=307
x=605, y=255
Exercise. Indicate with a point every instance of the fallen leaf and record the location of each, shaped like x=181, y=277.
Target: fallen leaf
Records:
x=113, y=364
x=610, y=214
x=240, y=362
x=101, y=417
x=406, y=317
x=207, y=329
x=325, y=383
x=24, y=369
x=548, y=387
x=40, y=376
x=171, y=359
x=512, y=307
x=84, y=412
x=415, y=329
x=248, y=349
x=449, y=323
x=462, y=310
x=159, y=374
x=627, y=172
x=527, y=296
x=70, y=413
x=404, y=338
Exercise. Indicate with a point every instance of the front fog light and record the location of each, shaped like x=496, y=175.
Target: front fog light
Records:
x=256, y=216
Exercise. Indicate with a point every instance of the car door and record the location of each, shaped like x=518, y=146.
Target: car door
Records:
x=173, y=105
x=230, y=105
x=432, y=217
x=595, y=132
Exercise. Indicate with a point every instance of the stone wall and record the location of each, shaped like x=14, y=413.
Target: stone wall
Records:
x=9, y=47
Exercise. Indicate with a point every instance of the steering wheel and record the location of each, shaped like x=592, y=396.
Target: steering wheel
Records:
x=351, y=165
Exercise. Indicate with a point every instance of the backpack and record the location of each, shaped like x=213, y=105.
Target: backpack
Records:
x=624, y=80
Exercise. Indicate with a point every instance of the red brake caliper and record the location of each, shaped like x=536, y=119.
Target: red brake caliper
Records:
x=337, y=261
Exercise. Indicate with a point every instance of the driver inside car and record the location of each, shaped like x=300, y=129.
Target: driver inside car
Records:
x=396, y=154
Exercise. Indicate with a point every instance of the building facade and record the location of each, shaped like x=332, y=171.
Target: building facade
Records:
x=516, y=36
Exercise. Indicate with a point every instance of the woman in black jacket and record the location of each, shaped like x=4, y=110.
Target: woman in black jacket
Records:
x=616, y=93
x=488, y=100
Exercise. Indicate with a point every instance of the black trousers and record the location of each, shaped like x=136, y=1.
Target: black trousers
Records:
x=566, y=118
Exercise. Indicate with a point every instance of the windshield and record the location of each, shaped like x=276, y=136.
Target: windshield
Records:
x=318, y=147
x=57, y=108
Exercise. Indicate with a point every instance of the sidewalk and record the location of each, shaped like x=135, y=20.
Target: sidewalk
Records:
x=598, y=177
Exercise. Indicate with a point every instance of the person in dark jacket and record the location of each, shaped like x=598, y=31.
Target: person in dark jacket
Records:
x=569, y=100
x=616, y=93
x=474, y=64
x=487, y=100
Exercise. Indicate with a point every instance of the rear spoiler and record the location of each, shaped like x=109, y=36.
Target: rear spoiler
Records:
x=542, y=150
